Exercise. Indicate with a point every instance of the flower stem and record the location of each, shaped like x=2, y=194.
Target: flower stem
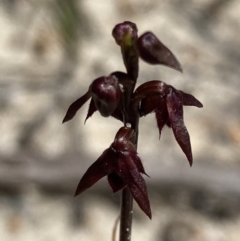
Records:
x=127, y=199
x=126, y=215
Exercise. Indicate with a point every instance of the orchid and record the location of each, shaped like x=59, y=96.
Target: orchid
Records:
x=121, y=164
x=167, y=103
x=115, y=95
x=105, y=93
x=110, y=95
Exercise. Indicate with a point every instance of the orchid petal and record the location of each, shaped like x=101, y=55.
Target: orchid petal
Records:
x=75, y=106
x=140, y=197
x=138, y=188
x=92, y=108
x=175, y=111
x=153, y=51
x=129, y=173
x=100, y=168
x=137, y=162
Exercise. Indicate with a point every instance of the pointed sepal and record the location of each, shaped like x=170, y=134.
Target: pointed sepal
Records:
x=75, y=106
x=100, y=168
x=92, y=108
x=152, y=51
x=131, y=175
x=175, y=111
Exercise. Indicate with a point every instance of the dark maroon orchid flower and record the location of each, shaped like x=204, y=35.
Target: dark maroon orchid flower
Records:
x=121, y=164
x=147, y=46
x=167, y=103
x=109, y=95
x=105, y=93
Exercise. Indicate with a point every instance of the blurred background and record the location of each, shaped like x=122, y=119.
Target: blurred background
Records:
x=50, y=51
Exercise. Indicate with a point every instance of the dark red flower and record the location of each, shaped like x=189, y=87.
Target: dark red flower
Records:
x=106, y=93
x=121, y=164
x=167, y=103
x=109, y=95
x=125, y=33
x=148, y=47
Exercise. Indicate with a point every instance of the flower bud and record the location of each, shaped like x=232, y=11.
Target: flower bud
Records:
x=125, y=33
